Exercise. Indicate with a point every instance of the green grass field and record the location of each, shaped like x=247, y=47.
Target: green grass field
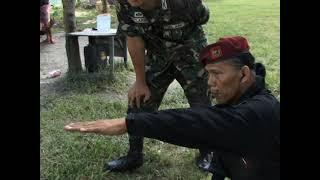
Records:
x=86, y=97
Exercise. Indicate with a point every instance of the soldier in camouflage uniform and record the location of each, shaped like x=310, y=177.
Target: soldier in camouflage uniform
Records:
x=170, y=33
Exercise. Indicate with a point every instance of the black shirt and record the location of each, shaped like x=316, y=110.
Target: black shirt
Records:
x=246, y=134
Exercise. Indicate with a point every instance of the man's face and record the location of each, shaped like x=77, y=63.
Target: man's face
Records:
x=224, y=81
x=136, y=3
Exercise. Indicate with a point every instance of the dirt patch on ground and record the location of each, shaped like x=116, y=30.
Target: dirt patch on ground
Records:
x=54, y=57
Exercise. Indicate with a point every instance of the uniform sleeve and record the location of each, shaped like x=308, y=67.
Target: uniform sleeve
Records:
x=202, y=14
x=126, y=24
x=202, y=127
x=197, y=12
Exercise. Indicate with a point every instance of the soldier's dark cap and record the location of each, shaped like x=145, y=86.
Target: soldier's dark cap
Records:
x=224, y=48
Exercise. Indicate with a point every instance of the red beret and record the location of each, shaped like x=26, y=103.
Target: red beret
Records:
x=224, y=48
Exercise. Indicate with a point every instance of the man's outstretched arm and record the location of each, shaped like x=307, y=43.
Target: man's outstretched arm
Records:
x=105, y=127
x=193, y=128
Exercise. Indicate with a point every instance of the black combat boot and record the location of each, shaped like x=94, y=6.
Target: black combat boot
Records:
x=204, y=160
x=132, y=160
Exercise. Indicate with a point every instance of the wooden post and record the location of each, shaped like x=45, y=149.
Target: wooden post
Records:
x=72, y=44
x=105, y=8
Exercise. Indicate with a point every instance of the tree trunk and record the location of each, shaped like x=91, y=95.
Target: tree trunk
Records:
x=104, y=6
x=72, y=44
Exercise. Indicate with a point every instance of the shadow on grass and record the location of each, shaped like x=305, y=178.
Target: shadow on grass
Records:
x=88, y=83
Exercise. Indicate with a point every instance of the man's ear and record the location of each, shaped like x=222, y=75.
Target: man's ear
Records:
x=245, y=74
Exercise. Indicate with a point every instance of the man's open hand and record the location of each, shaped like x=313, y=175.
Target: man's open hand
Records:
x=104, y=127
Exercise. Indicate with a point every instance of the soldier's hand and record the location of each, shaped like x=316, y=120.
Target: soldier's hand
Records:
x=137, y=92
x=104, y=127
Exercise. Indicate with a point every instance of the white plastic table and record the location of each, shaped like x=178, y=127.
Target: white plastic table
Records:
x=92, y=34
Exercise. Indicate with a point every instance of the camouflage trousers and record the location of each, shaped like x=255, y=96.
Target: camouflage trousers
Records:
x=182, y=66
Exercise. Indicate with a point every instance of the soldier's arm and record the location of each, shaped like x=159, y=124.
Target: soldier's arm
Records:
x=136, y=49
x=202, y=13
x=137, y=52
x=136, y=45
x=197, y=12
x=126, y=24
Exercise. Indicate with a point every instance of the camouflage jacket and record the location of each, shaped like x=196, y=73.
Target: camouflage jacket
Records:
x=175, y=24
